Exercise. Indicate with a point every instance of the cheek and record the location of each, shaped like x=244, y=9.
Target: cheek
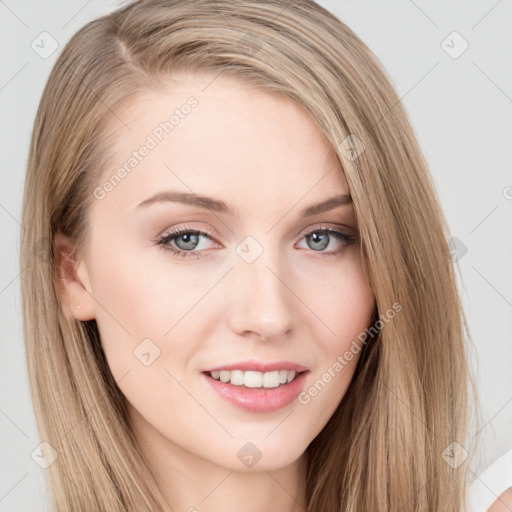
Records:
x=344, y=306
x=133, y=303
x=345, y=312
x=148, y=304
x=142, y=325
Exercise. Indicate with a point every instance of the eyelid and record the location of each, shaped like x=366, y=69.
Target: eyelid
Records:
x=186, y=228
x=327, y=226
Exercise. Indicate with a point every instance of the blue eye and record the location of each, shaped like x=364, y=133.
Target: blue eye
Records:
x=188, y=240
x=320, y=239
x=183, y=242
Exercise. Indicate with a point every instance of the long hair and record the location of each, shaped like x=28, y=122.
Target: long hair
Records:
x=384, y=448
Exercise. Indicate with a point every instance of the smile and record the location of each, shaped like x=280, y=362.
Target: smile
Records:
x=255, y=391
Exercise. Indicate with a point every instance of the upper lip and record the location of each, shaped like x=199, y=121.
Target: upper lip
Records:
x=260, y=366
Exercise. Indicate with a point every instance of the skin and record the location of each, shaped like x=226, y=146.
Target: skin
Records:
x=265, y=157
x=503, y=503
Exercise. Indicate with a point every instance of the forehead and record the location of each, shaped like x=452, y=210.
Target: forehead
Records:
x=216, y=135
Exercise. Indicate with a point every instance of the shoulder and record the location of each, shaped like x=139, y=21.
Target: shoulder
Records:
x=503, y=503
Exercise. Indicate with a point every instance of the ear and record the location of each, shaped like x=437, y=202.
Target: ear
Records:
x=74, y=285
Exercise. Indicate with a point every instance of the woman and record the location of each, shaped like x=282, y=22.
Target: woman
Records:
x=246, y=298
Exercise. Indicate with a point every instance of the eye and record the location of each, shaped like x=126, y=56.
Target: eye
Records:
x=185, y=241
x=320, y=237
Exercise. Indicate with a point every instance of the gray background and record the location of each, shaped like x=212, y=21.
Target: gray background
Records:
x=460, y=109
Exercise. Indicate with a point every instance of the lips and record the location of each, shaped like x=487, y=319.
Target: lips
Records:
x=257, y=396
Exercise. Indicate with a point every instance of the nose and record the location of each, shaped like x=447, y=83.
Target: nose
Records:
x=261, y=299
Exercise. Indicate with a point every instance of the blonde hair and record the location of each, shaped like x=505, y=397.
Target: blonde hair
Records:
x=408, y=400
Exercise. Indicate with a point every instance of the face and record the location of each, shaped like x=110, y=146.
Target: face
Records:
x=206, y=254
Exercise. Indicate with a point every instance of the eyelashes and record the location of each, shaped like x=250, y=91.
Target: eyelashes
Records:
x=195, y=235
x=165, y=239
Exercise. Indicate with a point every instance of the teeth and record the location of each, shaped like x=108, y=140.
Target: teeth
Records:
x=271, y=380
x=253, y=379
x=237, y=377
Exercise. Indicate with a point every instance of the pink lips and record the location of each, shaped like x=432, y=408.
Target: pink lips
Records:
x=259, y=399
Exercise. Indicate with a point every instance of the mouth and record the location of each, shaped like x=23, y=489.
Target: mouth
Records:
x=256, y=391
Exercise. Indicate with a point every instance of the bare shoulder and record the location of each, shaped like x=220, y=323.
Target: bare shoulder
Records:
x=503, y=503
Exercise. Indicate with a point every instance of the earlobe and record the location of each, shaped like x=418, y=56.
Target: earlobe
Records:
x=74, y=286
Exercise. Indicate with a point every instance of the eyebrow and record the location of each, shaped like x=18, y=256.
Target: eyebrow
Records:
x=216, y=205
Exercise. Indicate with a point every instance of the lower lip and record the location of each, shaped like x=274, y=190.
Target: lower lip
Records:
x=258, y=399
